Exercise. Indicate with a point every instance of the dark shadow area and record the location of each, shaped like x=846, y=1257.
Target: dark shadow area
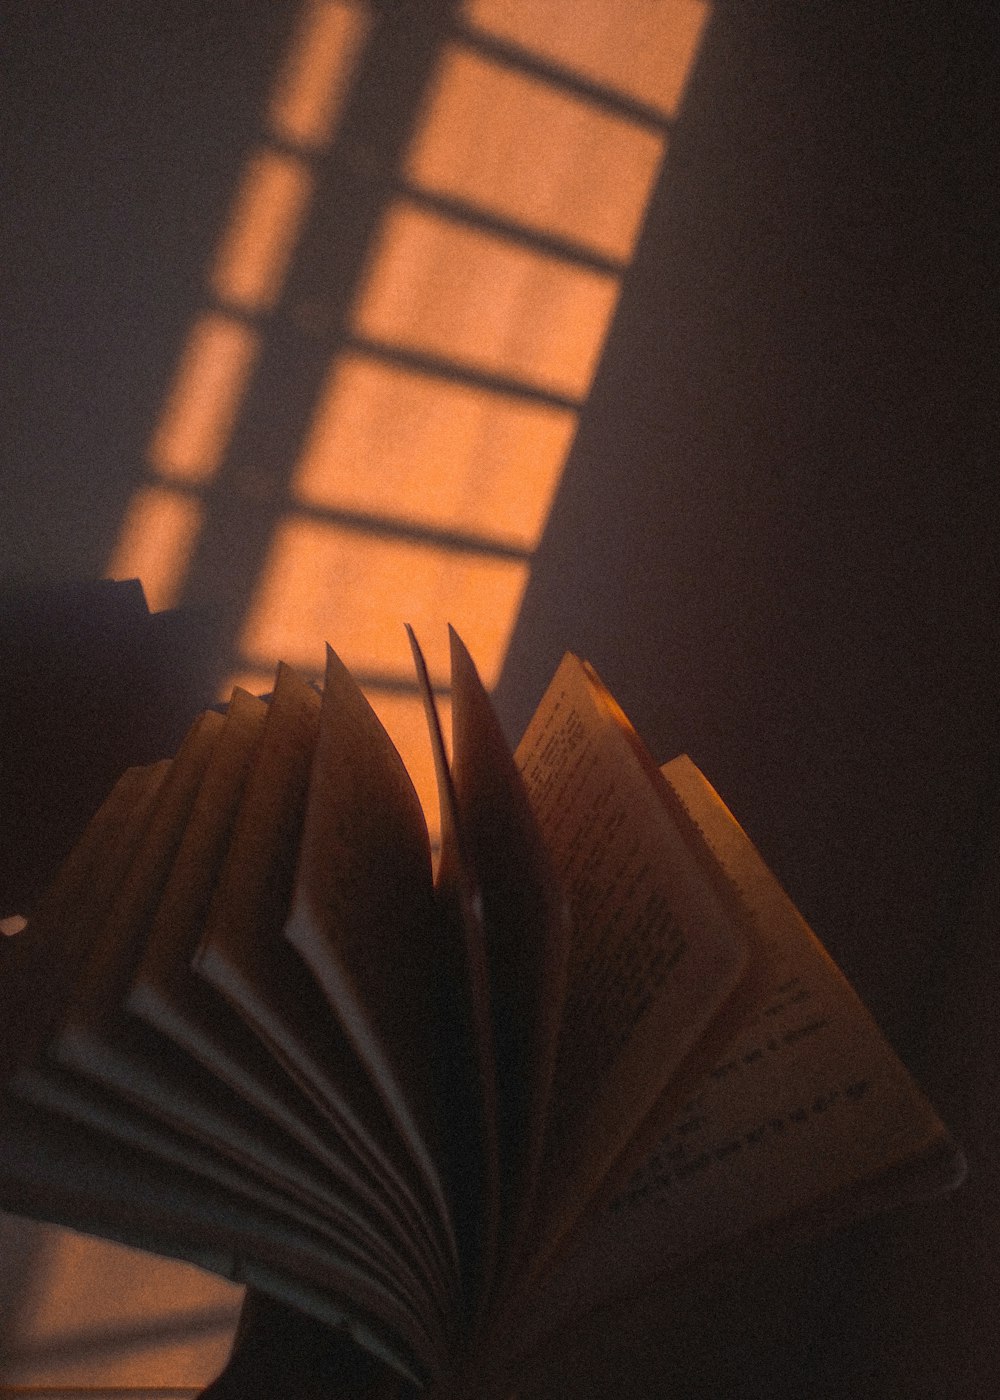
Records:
x=94, y=684
x=19, y=1288
x=775, y=539
x=125, y=129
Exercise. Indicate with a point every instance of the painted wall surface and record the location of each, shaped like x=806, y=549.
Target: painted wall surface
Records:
x=774, y=536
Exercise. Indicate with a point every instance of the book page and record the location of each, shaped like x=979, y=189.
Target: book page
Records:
x=250, y=899
x=166, y=996
x=526, y=930
x=69, y=1175
x=62, y=929
x=186, y=896
x=150, y=915
x=655, y=952
x=244, y=956
x=369, y=1273
x=141, y=1092
x=362, y=911
x=807, y=1104
x=464, y=1052
x=120, y=933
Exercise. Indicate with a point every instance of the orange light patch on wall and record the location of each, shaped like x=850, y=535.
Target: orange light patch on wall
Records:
x=425, y=451
x=155, y=543
x=258, y=682
x=253, y=255
x=100, y=1319
x=200, y=411
x=478, y=300
x=586, y=179
x=324, y=583
x=643, y=49
x=406, y=724
x=321, y=60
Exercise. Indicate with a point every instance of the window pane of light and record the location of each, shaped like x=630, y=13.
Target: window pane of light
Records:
x=102, y=1320
x=254, y=253
x=640, y=48
x=406, y=725
x=356, y=591
x=313, y=82
x=391, y=443
x=519, y=147
x=474, y=299
x=155, y=543
x=201, y=408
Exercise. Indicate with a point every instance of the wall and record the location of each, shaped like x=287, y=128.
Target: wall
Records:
x=774, y=537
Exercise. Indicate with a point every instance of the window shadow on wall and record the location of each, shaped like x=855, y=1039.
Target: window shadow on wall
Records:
x=399, y=326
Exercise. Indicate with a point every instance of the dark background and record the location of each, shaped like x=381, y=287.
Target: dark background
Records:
x=775, y=538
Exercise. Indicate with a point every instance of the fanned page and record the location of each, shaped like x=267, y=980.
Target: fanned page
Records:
x=71, y=1152
x=465, y=1065
x=155, y=1109
x=168, y=998
x=65, y=1174
x=50, y=952
x=244, y=956
x=807, y=1119
x=73, y=906
x=241, y=953
x=163, y=987
x=362, y=912
x=142, y=1090
x=171, y=1001
x=656, y=951
x=123, y=928
x=526, y=931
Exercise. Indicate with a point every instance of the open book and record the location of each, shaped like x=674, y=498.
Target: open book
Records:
x=249, y=1027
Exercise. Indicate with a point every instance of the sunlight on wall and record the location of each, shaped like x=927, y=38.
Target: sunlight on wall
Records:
x=643, y=49
x=375, y=421
x=322, y=575
x=253, y=257
x=439, y=433
x=474, y=299
x=156, y=539
x=200, y=410
x=106, y=1320
x=314, y=81
x=512, y=144
x=160, y=531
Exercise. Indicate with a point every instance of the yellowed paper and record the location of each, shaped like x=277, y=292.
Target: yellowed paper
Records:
x=655, y=953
